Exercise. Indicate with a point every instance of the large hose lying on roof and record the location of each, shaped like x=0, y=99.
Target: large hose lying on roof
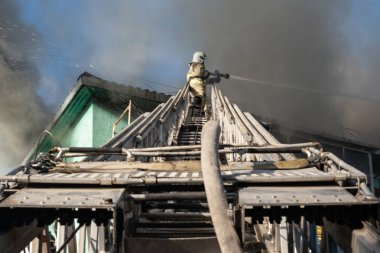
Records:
x=217, y=202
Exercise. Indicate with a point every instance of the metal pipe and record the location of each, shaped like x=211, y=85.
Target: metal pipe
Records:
x=218, y=205
x=169, y=196
x=166, y=151
x=170, y=148
x=315, y=151
x=363, y=186
x=229, y=145
x=67, y=155
x=166, y=205
x=190, y=215
x=166, y=154
x=36, y=179
x=127, y=109
x=262, y=150
x=290, y=146
x=342, y=164
x=306, y=152
x=196, y=152
x=149, y=180
x=103, y=150
x=332, y=166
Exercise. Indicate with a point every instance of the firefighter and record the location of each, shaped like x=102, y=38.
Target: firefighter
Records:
x=196, y=78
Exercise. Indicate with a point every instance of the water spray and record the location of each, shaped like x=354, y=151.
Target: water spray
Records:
x=286, y=86
x=279, y=85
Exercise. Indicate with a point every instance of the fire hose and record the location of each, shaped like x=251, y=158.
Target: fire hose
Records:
x=217, y=202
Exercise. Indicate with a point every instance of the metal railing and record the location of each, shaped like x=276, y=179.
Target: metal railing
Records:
x=239, y=127
x=157, y=128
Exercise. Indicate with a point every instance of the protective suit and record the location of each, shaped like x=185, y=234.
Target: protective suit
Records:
x=196, y=77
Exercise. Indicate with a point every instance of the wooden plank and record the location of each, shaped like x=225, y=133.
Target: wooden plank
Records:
x=175, y=166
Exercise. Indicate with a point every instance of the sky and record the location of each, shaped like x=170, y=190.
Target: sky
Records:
x=318, y=61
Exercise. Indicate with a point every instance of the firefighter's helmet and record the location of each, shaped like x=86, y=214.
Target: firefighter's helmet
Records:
x=199, y=57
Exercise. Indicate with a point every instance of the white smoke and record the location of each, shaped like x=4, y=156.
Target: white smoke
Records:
x=22, y=113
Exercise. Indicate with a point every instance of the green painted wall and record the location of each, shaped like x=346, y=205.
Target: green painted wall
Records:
x=87, y=120
x=81, y=133
x=103, y=118
x=94, y=127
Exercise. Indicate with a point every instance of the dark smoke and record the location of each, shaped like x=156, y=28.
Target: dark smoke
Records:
x=316, y=45
x=311, y=45
x=22, y=114
x=329, y=45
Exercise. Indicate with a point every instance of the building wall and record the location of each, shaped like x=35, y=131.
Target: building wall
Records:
x=103, y=119
x=87, y=115
x=81, y=133
x=93, y=128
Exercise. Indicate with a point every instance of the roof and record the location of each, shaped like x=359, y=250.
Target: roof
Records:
x=113, y=93
x=90, y=88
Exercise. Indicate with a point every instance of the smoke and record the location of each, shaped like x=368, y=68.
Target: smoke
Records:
x=320, y=63
x=22, y=114
x=323, y=56
x=316, y=66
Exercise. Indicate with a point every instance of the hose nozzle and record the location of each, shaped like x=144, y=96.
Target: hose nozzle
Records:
x=218, y=74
